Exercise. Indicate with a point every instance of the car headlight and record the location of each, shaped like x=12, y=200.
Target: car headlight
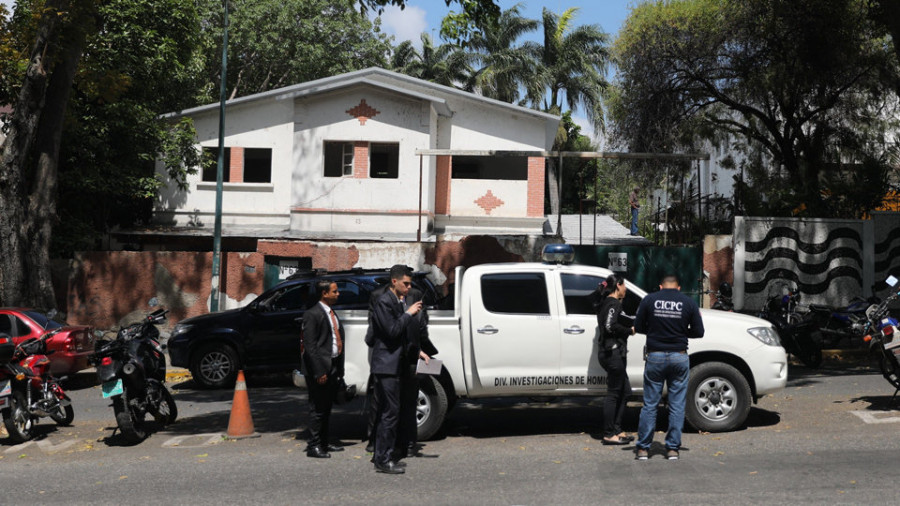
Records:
x=767, y=335
x=181, y=328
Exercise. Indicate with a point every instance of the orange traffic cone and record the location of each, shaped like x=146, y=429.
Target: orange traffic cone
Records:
x=240, y=423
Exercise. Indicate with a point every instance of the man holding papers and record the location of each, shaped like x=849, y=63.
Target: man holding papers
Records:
x=418, y=347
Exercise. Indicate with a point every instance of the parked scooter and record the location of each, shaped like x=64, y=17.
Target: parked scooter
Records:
x=799, y=337
x=884, y=337
x=27, y=389
x=132, y=372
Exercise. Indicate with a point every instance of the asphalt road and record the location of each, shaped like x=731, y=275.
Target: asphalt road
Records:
x=828, y=438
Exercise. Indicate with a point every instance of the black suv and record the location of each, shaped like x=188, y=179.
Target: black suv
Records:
x=265, y=334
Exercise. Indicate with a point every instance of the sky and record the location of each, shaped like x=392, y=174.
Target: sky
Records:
x=426, y=15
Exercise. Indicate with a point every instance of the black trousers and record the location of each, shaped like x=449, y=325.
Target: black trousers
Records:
x=409, y=399
x=321, y=399
x=617, y=389
x=388, y=392
x=372, y=414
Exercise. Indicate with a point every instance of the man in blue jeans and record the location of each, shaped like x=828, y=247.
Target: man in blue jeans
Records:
x=635, y=202
x=668, y=318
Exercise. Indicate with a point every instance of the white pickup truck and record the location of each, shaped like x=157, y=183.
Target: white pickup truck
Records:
x=529, y=329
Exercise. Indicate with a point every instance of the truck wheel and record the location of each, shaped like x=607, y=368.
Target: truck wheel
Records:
x=431, y=408
x=215, y=366
x=718, y=397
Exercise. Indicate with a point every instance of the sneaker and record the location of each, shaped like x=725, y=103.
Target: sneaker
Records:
x=672, y=455
x=642, y=454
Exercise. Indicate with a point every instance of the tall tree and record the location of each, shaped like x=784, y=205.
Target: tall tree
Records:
x=799, y=85
x=506, y=66
x=446, y=64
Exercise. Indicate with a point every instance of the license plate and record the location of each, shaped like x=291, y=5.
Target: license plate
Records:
x=4, y=402
x=5, y=388
x=111, y=388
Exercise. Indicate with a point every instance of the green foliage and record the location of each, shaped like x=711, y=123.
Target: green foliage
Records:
x=277, y=43
x=445, y=64
x=798, y=89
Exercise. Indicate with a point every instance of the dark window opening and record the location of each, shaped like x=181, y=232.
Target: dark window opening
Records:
x=578, y=293
x=258, y=165
x=210, y=164
x=384, y=160
x=338, y=159
x=490, y=167
x=518, y=293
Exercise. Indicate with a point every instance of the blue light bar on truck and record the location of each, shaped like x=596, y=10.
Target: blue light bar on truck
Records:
x=558, y=254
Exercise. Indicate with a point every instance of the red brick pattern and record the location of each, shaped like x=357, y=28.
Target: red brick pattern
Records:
x=488, y=202
x=536, y=175
x=360, y=160
x=442, y=185
x=363, y=112
x=236, y=166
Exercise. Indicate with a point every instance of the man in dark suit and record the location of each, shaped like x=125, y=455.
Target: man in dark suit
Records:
x=418, y=345
x=390, y=320
x=323, y=364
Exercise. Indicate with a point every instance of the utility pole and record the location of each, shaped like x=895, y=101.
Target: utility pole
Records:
x=220, y=171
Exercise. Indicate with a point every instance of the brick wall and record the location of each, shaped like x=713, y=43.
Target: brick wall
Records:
x=236, y=166
x=442, y=185
x=361, y=160
x=536, y=175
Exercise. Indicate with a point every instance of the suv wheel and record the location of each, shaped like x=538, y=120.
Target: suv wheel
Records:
x=718, y=397
x=215, y=366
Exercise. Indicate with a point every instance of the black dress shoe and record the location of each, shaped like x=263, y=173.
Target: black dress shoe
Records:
x=370, y=448
x=390, y=468
x=334, y=448
x=317, y=452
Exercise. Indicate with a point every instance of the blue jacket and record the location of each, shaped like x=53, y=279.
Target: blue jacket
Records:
x=668, y=318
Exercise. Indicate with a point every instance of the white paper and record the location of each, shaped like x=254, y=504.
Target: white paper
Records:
x=433, y=367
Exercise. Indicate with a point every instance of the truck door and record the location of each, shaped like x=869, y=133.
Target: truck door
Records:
x=515, y=334
x=579, y=364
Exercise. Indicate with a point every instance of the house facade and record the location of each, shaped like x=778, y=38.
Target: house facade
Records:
x=338, y=158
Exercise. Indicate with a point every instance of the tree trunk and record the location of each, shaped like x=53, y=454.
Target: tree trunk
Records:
x=28, y=164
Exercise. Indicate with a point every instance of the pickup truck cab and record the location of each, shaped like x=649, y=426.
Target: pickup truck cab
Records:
x=529, y=329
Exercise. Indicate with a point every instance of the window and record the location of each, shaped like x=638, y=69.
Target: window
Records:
x=578, y=293
x=292, y=298
x=258, y=165
x=338, y=159
x=513, y=168
x=42, y=320
x=211, y=161
x=351, y=294
x=384, y=160
x=517, y=293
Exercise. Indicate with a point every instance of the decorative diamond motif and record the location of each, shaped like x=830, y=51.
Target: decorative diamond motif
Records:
x=363, y=112
x=488, y=202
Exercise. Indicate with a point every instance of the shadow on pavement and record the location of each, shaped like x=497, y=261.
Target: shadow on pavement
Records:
x=880, y=402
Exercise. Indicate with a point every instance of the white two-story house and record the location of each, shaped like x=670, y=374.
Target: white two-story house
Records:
x=341, y=158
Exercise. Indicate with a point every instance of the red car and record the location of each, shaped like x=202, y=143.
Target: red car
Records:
x=70, y=347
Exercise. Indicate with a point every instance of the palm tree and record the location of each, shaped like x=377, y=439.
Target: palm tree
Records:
x=446, y=64
x=572, y=62
x=506, y=68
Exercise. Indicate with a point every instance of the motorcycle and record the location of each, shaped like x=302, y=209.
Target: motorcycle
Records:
x=884, y=338
x=724, y=301
x=27, y=389
x=849, y=322
x=799, y=337
x=132, y=372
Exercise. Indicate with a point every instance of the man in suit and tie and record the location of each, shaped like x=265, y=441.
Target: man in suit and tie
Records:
x=391, y=320
x=323, y=364
x=418, y=346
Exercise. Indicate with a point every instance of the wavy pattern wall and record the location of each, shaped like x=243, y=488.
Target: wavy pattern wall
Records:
x=830, y=261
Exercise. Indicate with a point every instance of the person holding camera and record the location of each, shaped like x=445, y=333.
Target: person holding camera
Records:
x=612, y=356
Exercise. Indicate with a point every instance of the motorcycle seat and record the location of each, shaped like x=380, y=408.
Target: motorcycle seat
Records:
x=16, y=369
x=819, y=308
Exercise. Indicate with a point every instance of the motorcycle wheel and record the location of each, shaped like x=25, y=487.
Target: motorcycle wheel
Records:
x=167, y=411
x=63, y=415
x=130, y=424
x=19, y=423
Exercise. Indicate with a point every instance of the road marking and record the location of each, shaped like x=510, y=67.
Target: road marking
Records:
x=208, y=439
x=45, y=446
x=885, y=417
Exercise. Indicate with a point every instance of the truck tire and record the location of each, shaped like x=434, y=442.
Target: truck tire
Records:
x=215, y=366
x=431, y=408
x=718, y=397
